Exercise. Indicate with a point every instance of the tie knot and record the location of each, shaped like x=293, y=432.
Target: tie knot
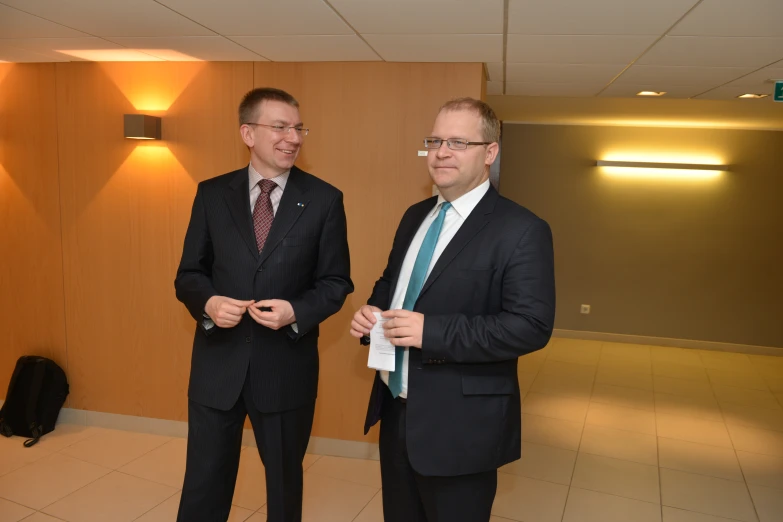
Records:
x=267, y=186
x=445, y=207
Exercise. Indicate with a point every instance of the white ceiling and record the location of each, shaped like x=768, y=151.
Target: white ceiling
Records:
x=711, y=49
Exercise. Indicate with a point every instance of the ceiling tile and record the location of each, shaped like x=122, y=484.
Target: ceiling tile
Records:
x=309, y=48
x=417, y=17
x=494, y=88
x=774, y=72
x=730, y=92
x=113, y=18
x=14, y=54
x=49, y=46
x=629, y=17
x=734, y=18
x=711, y=51
x=438, y=47
x=495, y=70
x=262, y=17
x=680, y=75
x=552, y=89
x=207, y=48
x=672, y=91
x=561, y=73
x=18, y=24
x=576, y=48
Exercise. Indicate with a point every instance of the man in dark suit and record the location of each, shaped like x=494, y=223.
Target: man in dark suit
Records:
x=265, y=261
x=468, y=288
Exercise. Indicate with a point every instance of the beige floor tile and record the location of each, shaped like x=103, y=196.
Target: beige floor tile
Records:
x=165, y=464
x=710, y=495
x=551, y=432
x=775, y=384
x=567, y=369
x=530, y=364
x=745, y=397
x=13, y=454
x=373, y=512
x=779, y=397
x=65, y=435
x=693, y=430
x=620, y=444
x=360, y=471
x=738, y=362
x=522, y=498
x=626, y=352
x=752, y=440
x=772, y=363
x=676, y=356
x=750, y=380
x=579, y=387
x=671, y=514
x=622, y=396
x=617, y=477
x=761, y=418
x=250, y=490
x=621, y=418
x=764, y=470
x=555, y=406
x=42, y=517
x=610, y=364
x=768, y=502
x=576, y=353
x=114, y=448
x=309, y=460
x=47, y=480
x=685, y=387
x=167, y=512
x=592, y=506
x=679, y=371
x=543, y=463
x=259, y=517
x=116, y=497
x=525, y=382
x=640, y=381
x=700, y=459
x=12, y=512
x=684, y=406
x=328, y=499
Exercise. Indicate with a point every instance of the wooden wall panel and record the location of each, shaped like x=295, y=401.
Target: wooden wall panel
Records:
x=126, y=206
x=367, y=122
x=31, y=275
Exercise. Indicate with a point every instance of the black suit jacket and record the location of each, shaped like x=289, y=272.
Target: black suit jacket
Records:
x=304, y=261
x=489, y=299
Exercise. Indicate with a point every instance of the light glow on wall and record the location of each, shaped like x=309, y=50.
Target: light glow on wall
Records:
x=673, y=166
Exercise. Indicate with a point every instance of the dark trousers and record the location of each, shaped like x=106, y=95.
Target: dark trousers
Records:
x=410, y=497
x=214, y=444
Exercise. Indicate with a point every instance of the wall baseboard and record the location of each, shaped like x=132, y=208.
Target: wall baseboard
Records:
x=664, y=341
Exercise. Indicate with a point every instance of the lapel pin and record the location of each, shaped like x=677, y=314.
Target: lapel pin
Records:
x=300, y=204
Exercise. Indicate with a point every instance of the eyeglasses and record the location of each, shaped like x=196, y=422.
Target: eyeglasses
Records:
x=452, y=143
x=282, y=129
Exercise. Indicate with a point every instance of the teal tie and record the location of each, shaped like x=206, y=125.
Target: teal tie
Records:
x=418, y=275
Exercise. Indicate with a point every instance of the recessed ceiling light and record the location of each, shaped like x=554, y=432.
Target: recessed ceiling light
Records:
x=651, y=93
x=752, y=96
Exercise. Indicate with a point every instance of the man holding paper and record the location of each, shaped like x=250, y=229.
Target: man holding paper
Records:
x=468, y=288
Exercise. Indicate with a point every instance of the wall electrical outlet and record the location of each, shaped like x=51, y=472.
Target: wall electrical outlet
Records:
x=585, y=309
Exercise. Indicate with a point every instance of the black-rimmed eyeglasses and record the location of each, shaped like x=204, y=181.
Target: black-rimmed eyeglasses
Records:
x=452, y=143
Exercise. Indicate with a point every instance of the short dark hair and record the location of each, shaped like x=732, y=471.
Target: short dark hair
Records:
x=248, y=108
x=490, y=125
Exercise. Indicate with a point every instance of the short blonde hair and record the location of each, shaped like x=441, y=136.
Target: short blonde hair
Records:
x=490, y=125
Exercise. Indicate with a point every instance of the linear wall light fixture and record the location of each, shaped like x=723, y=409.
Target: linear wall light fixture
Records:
x=142, y=127
x=657, y=165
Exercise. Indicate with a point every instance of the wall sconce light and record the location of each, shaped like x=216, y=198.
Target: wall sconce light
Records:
x=657, y=165
x=142, y=127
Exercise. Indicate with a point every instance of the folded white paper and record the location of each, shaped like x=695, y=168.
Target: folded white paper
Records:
x=382, y=351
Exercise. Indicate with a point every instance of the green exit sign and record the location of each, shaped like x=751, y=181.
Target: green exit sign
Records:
x=779, y=91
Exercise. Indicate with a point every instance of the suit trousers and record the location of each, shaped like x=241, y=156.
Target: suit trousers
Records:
x=411, y=497
x=214, y=445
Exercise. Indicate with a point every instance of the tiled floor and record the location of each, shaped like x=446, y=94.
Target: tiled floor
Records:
x=611, y=433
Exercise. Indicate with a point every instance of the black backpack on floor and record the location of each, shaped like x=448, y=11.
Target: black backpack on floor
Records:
x=36, y=393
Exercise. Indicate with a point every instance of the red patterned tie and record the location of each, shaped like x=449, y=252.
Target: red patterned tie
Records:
x=263, y=214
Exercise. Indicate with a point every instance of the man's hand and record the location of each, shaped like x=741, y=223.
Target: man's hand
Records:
x=279, y=313
x=404, y=328
x=226, y=312
x=363, y=320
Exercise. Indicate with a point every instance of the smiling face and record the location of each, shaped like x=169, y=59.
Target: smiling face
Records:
x=457, y=172
x=273, y=152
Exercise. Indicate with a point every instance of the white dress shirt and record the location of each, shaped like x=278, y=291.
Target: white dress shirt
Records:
x=455, y=217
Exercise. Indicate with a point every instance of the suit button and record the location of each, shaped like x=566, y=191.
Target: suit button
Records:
x=260, y=268
x=247, y=339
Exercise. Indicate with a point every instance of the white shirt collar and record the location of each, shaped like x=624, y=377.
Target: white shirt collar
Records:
x=254, y=177
x=465, y=204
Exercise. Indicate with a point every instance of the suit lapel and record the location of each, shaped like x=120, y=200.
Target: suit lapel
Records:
x=292, y=205
x=409, y=229
x=476, y=221
x=238, y=200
